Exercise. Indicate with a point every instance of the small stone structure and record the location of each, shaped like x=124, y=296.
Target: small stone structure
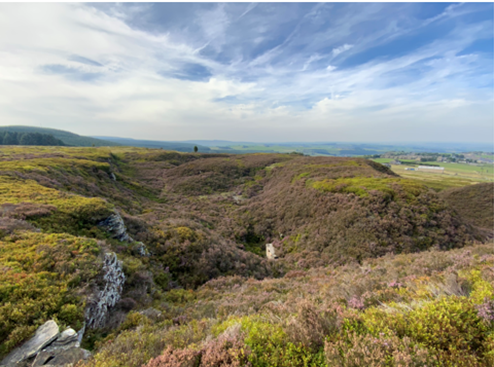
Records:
x=114, y=278
x=48, y=347
x=270, y=253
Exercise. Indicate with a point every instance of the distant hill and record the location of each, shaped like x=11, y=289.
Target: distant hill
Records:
x=38, y=139
x=216, y=143
x=156, y=144
x=66, y=137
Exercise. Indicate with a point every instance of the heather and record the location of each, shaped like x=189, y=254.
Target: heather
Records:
x=432, y=308
x=474, y=203
x=43, y=276
x=369, y=263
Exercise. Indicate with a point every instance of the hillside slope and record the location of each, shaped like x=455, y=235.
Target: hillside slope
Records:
x=475, y=203
x=183, y=225
x=67, y=137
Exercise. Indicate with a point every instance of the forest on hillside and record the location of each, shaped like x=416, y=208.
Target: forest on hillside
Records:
x=28, y=138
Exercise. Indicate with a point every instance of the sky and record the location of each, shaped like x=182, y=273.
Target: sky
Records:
x=260, y=72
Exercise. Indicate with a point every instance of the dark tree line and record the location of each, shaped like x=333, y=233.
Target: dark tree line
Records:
x=14, y=138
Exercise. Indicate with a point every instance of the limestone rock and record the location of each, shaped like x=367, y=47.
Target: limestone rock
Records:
x=45, y=334
x=270, y=252
x=106, y=298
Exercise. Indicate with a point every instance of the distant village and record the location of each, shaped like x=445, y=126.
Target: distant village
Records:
x=425, y=159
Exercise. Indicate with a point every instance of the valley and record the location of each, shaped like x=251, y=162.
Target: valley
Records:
x=159, y=257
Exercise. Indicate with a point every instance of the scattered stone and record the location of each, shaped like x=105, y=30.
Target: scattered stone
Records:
x=45, y=334
x=141, y=249
x=152, y=313
x=270, y=253
x=112, y=176
x=237, y=199
x=114, y=278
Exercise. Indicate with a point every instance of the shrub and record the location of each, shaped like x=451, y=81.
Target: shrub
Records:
x=42, y=277
x=358, y=351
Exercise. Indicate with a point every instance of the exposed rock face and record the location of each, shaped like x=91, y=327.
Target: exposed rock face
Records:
x=270, y=252
x=114, y=278
x=45, y=334
x=115, y=225
x=142, y=249
x=66, y=357
x=67, y=339
x=49, y=348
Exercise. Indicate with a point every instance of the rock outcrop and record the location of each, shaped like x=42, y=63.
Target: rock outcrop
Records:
x=115, y=225
x=48, y=347
x=270, y=252
x=106, y=298
x=65, y=357
x=45, y=334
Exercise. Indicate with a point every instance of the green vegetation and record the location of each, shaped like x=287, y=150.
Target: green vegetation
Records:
x=41, y=277
x=361, y=186
x=432, y=309
x=473, y=203
x=373, y=269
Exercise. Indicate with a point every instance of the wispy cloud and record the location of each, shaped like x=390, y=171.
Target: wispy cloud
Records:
x=338, y=50
x=267, y=71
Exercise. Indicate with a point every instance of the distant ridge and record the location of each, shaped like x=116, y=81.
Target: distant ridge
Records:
x=68, y=138
x=157, y=144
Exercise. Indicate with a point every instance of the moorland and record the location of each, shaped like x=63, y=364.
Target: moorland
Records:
x=372, y=269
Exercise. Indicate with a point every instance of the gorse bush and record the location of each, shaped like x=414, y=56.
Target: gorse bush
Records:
x=41, y=278
x=366, y=350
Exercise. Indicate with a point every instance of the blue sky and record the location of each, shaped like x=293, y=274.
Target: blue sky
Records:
x=376, y=72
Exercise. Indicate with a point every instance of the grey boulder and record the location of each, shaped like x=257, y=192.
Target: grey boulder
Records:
x=67, y=357
x=43, y=336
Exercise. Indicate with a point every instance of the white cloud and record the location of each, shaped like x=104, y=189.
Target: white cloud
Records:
x=298, y=98
x=338, y=50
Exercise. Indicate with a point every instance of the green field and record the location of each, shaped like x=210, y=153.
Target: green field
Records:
x=455, y=174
